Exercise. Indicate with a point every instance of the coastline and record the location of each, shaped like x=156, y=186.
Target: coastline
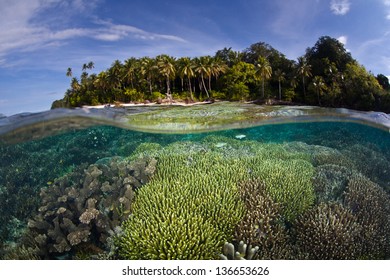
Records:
x=125, y=105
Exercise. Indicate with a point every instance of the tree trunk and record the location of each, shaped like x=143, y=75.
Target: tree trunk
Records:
x=280, y=91
x=204, y=86
x=263, y=89
x=169, y=95
x=189, y=86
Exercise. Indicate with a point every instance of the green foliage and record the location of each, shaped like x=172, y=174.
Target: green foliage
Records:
x=217, y=95
x=289, y=94
x=134, y=95
x=238, y=92
x=240, y=75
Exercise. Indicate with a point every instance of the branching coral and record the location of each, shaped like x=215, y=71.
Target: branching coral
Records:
x=288, y=182
x=328, y=231
x=187, y=211
x=371, y=205
x=330, y=182
x=85, y=206
x=262, y=225
x=369, y=161
x=199, y=181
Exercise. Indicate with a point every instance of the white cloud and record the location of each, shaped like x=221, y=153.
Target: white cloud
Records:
x=340, y=7
x=343, y=40
x=23, y=28
x=387, y=6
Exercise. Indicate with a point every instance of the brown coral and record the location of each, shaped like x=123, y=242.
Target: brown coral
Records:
x=371, y=205
x=262, y=224
x=328, y=231
x=86, y=205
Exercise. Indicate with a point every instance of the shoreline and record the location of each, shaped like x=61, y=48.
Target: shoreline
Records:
x=125, y=105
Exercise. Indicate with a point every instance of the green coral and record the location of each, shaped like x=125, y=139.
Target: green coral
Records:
x=191, y=206
x=187, y=211
x=288, y=182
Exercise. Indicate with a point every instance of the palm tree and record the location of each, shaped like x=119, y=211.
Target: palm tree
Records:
x=280, y=76
x=69, y=72
x=115, y=74
x=166, y=67
x=74, y=84
x=304, y=70
x=131, y=66
x=263, y=71
x=90, y=65
x=102, y=83
x=202, y=68
x=148, y=69
x=186, y=69
x=319, y=85
x=216, y=68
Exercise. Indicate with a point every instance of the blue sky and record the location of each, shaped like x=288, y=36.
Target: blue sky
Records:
x=40, y=39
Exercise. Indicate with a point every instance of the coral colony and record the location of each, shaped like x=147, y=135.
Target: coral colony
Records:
x=287, y=191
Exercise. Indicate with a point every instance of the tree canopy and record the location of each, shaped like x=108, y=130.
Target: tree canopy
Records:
x=325, y=75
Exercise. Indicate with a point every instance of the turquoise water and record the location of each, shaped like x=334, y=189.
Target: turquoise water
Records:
x=312, y=190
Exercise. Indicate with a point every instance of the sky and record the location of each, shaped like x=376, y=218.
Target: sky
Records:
x=40, y=39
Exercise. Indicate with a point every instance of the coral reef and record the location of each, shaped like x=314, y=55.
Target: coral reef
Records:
x=188, y=210
x=320, y=155
x=328, y=231
x=243, y=251
x=86, y=205
x=371, y=162
x=288, y=182
x=197, y=181
x=330, y=182
x=371, y=205
x=262, y=225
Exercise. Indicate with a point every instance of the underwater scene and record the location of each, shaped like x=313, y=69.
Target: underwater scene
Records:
x=218, y=181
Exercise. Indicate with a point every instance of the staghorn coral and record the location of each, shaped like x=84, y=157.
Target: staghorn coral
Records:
x=262, y=225
x=330, y=182
x=288, y=182
x=328, y=231
x=371, y=162
x=84, y=206
x=187, y=210
x=198, y=181
x=320, y=155
x=371, y=205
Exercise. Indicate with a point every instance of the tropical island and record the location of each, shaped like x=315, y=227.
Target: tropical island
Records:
x=326, y=75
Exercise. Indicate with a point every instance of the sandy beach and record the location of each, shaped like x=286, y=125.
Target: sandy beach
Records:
x=125, y=105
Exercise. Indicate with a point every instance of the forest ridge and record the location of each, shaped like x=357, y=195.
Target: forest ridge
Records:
x=326, y=75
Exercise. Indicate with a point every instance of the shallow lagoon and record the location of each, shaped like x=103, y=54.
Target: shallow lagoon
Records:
x=191, y=183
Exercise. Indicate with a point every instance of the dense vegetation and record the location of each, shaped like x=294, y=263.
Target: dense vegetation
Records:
x=326, y=75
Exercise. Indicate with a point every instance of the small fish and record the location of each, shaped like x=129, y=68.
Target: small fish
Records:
x=240, y=136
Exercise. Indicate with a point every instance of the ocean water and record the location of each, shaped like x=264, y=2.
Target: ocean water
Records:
x=217, y=182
